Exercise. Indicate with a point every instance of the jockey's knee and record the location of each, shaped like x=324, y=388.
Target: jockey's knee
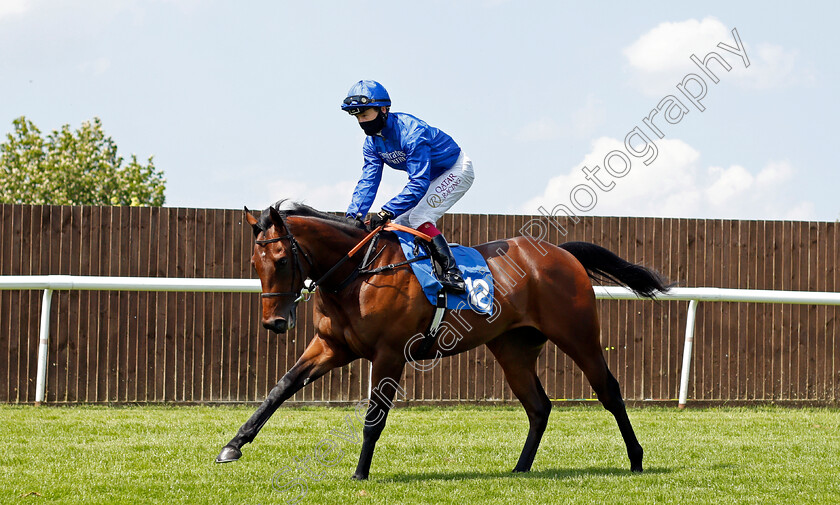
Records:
x=429, y=229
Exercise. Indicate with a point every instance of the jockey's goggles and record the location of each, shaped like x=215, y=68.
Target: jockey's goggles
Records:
x=355, y=104
x=357, y=100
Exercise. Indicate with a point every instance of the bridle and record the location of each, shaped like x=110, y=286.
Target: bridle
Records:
x=297, y=266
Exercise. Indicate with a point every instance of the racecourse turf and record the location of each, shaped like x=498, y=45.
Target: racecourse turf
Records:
x=159, y=454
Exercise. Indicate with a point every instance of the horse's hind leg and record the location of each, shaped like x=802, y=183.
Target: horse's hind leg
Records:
x=517, y=352
x=594, y=366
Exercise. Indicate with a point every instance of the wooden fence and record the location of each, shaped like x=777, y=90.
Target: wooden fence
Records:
x=183, y=347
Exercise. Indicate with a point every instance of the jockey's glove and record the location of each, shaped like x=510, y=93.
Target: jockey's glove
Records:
x=380, y=218
x=360, y=220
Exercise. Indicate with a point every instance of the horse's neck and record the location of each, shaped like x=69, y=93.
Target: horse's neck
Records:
x=324, y=242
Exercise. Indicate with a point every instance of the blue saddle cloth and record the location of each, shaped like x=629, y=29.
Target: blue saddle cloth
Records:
x=473, y=266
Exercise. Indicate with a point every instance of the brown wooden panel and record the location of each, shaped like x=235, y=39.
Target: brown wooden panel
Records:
x=19, y=338
x=793, y=340
x=813, y=361
x=231, y=323
x=729, y=325
x=748, y=345
x=678, y=243
x=834, y=255
x=56, y=368
x=656, y=314
x=6, y=377
x=155, y=320
x=215, y=235
x=102, y=267
x=17, y=315
x=200, y=338
x=133, y=336
x=695, y=269
x=73, y=297
x=146, y=318
x=83, y=310
x=825, y=273
x=243, y=372
x=33, y=238
x=29, y=306
x=776, y=332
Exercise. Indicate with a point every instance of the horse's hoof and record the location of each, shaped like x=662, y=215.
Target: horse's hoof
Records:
x=636, y=468
x=358, y=476
x=228, y=454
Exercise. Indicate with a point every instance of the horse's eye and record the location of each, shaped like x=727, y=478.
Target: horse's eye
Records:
x=283, y=262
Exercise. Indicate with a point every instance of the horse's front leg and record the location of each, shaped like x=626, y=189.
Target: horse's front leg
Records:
x=386, y=383
x=316, y=360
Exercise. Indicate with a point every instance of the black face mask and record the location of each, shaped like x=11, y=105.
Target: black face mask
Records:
x=375, y=125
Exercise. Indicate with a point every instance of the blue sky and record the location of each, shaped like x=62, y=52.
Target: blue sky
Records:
x=238, y=102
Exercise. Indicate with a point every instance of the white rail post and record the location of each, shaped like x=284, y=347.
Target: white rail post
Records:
x=370, y=380
x=43, y=347
x=689, y=342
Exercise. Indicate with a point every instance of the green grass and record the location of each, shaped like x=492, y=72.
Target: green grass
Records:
x=426, y=455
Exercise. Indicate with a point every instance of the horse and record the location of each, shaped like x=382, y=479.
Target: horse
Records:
x=373, y=314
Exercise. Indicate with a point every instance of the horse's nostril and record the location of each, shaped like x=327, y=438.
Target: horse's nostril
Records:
x=276, y=325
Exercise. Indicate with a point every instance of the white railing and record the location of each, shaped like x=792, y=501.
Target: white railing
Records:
x=695, y=295
x=50, y=283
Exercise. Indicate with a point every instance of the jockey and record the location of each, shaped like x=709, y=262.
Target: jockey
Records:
x=438, y=171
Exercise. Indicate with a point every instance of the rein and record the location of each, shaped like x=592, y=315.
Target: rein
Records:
x=310, y=287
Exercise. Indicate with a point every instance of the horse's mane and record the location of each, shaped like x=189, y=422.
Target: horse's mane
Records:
x=288, y=208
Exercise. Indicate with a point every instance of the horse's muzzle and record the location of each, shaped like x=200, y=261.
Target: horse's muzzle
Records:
x=280, y=324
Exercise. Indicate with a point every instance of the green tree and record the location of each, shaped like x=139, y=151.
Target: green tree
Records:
x=78, y=167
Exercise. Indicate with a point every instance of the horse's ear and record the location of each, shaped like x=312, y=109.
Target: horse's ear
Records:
x=252, y=220
x=276, y=218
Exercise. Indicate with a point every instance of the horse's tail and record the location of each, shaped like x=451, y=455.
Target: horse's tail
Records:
x=601, y=264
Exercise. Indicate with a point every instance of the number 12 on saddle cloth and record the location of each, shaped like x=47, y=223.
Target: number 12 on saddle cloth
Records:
x=473, y=267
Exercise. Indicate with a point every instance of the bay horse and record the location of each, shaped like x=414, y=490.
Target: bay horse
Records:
x=374, y=315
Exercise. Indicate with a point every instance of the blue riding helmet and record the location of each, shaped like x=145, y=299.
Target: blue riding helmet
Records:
x=365, y=94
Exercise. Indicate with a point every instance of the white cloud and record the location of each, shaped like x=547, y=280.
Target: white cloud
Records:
x=660, y=58
x=801, y=212
x=668, y=46
x=95, y=12
x=728, y=183
x=775, y=173
x=676, y=185
x=10, y=8
x=773, y=66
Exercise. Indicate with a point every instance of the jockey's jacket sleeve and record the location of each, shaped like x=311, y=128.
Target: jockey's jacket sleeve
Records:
x=419, y=168
x=366, y=189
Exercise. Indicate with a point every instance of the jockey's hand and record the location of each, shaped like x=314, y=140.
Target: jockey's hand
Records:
x=380, y=218
x=360, y=220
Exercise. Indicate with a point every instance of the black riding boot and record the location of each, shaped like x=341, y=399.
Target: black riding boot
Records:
x=451, y=276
